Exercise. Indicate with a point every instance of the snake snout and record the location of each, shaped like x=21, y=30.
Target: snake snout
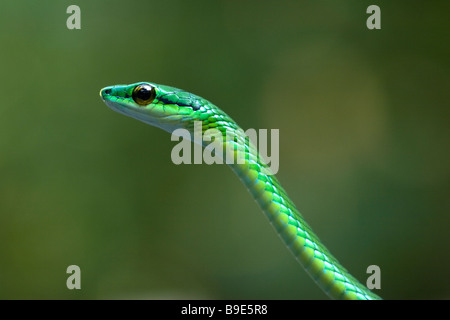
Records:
x=105, y=92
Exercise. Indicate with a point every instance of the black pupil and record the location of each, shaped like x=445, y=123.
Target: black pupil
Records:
x=144, y=93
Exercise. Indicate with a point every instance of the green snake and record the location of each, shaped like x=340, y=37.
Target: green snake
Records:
x=170, y=108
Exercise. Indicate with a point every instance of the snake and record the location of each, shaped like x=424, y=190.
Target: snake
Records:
x=173, y=109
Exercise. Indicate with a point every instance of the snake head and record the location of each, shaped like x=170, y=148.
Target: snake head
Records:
x=161, y=106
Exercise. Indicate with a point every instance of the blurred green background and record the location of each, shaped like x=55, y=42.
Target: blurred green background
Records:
x=364, y=126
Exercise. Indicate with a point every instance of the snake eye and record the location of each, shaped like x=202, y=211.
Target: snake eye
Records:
x=144, y=94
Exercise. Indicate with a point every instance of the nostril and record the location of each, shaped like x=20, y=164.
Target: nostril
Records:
x=107, y=91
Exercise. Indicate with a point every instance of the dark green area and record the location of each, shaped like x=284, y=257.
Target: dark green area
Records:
x=364, y=129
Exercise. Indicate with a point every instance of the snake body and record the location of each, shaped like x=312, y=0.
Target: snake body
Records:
x=170, y=108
